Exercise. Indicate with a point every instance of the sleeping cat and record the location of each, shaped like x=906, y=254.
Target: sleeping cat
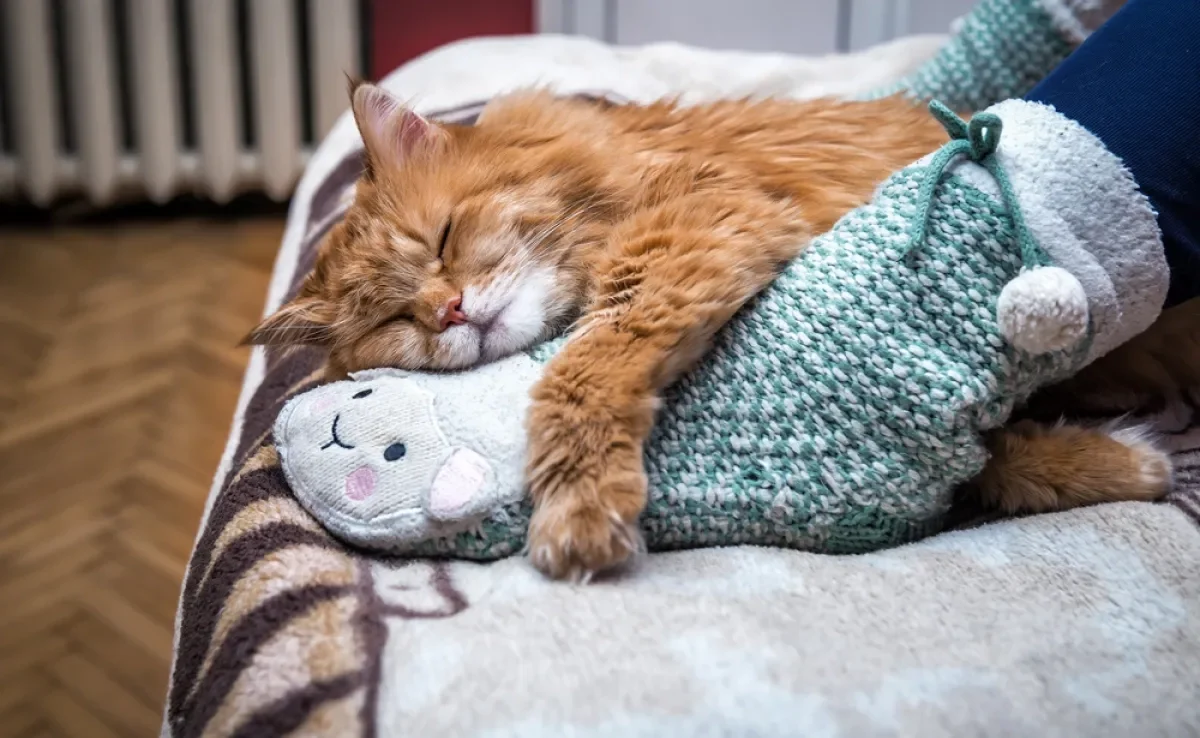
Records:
x=645, y=228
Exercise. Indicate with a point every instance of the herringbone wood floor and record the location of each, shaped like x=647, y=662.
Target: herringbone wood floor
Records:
x=118, y=379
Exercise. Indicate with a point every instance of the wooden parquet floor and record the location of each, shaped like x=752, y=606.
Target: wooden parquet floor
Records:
x=118, y=380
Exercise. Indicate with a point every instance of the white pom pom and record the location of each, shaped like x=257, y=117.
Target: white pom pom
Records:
x=1044, y=309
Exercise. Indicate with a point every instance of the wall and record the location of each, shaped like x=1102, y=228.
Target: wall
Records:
x=793, y=26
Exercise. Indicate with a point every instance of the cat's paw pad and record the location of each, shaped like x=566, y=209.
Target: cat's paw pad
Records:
x=574, y=540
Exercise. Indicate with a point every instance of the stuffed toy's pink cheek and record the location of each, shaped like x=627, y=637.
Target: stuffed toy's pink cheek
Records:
x=457, y=484
x=322, y=404
x=360, y=483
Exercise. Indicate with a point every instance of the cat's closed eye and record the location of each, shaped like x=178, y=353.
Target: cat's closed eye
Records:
x=441, y=249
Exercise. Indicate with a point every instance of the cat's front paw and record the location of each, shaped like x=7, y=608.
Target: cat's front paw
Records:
x=587, y=484
x=573, y=538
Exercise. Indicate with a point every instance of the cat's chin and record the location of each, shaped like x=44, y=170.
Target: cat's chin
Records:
x=466, y=346
x=516, y=327
x=500, y=340
x=511, y=313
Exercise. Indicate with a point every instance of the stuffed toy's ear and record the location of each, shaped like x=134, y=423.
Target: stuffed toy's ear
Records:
x=303, y=320
x=390, y=132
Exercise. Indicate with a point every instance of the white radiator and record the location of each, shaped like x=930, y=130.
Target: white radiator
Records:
x=93, y=95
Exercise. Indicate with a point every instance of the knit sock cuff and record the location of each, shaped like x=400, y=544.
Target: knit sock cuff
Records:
x=1076, y=19
x=1084, y=208
x=1000, y=50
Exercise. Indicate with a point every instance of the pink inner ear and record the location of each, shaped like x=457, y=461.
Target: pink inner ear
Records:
x=410, y=130
x=375, y=107
x=393, y=129
x=457, y=484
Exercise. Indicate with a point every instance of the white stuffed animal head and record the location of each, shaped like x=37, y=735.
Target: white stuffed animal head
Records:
x=390, y=459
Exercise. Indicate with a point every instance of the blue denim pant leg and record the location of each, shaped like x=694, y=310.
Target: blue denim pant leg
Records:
x=1135, y=84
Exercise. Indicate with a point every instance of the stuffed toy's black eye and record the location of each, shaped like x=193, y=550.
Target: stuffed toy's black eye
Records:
x=362, y=394
x=395, y=451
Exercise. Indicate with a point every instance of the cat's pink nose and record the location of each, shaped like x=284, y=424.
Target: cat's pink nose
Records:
x=452, y=313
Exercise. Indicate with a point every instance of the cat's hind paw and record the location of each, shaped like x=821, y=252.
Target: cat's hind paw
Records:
x=1152, y=473
x=1042, y=468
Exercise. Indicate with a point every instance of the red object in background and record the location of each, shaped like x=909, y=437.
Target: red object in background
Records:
x=404, y=29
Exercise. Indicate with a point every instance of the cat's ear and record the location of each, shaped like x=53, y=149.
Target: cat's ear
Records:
x=390, y=131
x=303, y=320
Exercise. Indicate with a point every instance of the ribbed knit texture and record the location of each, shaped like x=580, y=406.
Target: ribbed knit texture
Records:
x=1004, y=48
x=838, y=411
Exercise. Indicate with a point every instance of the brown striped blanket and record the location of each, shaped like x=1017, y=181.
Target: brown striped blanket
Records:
x=1081, y=623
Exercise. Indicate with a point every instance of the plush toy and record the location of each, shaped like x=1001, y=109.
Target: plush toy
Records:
x=835, y=413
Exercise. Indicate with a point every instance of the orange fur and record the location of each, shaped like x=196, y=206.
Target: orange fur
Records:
x=1039, y=468
x=1162, y=363
x=647, y=227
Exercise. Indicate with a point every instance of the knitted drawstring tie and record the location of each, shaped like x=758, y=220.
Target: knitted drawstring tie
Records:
x=1045, y=307
x=978, y=141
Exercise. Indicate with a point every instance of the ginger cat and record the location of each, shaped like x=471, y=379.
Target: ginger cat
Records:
x=646, y=228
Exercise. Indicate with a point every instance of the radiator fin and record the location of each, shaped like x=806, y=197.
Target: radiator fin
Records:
x=152, y=94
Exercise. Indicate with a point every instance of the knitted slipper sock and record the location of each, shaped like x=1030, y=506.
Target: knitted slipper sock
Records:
x=835, y=413
x=1002, y=49
x=840, y=410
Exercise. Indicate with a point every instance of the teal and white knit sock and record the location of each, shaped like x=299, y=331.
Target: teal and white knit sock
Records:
x=1002, y=49
x=835, y=413
x=840, y=410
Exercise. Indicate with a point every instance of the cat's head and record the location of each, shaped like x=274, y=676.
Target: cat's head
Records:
x=464, y=243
